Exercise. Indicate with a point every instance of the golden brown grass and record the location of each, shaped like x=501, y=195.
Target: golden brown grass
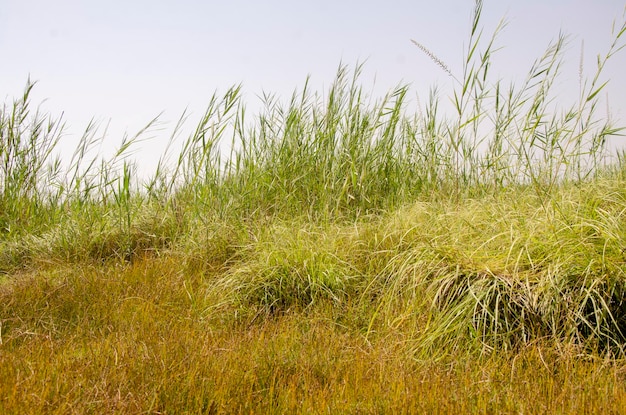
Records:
x=137, y=339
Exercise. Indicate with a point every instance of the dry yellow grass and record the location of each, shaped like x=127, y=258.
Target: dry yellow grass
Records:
x=137, y=339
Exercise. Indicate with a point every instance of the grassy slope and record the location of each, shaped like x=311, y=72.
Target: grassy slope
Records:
x=323, y=318
x=345, y=257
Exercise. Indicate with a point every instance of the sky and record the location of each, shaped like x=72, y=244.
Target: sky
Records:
x=123, y=62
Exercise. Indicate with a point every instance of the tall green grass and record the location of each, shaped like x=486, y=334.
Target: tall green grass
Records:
x=346, y=154
x=514, y=229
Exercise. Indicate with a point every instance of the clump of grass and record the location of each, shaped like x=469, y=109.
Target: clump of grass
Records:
x=526, y=142
x=294, y=268
x=27, y=143
x=555, y=274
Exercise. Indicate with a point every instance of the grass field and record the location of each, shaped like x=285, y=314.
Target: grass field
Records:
x=334, y=254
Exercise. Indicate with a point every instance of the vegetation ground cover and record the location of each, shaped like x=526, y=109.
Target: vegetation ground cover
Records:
x=334, y=254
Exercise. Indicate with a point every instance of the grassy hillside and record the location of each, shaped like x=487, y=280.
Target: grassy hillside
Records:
x=335, y=254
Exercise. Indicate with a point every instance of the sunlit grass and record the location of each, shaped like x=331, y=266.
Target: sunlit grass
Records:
x=144, y=342
x=336, y=254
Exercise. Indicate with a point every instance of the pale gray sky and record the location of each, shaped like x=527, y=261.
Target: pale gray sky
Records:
x=128, y=60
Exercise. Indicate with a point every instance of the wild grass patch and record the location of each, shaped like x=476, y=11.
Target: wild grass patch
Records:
x=342, y=255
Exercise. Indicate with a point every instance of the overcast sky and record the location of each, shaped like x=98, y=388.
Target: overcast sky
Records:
x=128, y=60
